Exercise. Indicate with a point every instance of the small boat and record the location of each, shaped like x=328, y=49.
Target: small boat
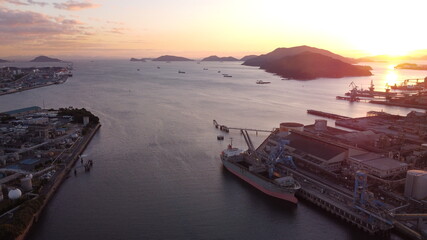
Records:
x=262, y=82
x=138, y=69
x=226, y=75
x=205, y=69
x=181, y=72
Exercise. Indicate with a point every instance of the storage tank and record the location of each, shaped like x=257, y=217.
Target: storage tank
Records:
x=26, y=183
x=416, y=184
x=14, y=194
x=85, y=120
x=320, y=125
x=287, y=126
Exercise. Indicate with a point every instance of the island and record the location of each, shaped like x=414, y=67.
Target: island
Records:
x=247, y=57
x=220, y=59
x=38, y=160
x=137, y=60
x=309, y=65
x=45, y=59
x=280, y=53
x=3, y=61
x=411, y=66
x=169, y=58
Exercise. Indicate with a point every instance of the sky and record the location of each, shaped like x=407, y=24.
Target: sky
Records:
x=200, y=28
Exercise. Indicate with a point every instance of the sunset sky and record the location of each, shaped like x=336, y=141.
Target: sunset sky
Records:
x=198, y=28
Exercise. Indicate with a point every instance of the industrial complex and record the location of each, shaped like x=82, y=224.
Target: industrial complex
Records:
x=38, y=148
x=370, y=172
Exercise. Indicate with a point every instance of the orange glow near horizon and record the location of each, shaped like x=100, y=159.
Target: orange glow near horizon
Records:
x=142, y=28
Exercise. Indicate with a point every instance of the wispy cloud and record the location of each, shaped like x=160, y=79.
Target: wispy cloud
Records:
x=41, y=4
x=25, y=26
x=72, y=5
x=16, y=2
x=25, y=3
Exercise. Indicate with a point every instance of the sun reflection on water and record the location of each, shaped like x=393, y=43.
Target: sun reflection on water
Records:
x=391, y=78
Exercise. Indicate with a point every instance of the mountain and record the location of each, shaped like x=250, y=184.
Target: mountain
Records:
x=45, y=59
x=3, y=61
x=285, y=52
x=309, y=65
x=247, y=57
x=137, y=60
x=220, y=59
x=167, y=58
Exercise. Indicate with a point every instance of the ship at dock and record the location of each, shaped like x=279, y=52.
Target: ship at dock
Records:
x=350, y=174
x=261, y=174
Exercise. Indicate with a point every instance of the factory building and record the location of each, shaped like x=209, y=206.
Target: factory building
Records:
x=377, y=165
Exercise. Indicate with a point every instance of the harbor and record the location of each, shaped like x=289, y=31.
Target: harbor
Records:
x=407, y=94
x=369, y=186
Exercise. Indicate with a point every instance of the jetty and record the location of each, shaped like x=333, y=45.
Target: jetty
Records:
x=327, y=115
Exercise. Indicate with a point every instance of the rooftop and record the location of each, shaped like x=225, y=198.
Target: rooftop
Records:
x=313, y=146
x=22, y=110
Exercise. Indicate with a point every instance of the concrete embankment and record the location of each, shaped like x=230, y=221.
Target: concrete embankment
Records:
x=61, y=177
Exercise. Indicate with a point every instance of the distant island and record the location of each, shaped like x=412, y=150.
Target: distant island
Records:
x=137, y=60
x=3, y=61
x=306, y=63
x=308, y=66
x=411, y=66
x=45, y=59
x=247, y=57
x=280, y=53
x=169, y=58
x=220, y=59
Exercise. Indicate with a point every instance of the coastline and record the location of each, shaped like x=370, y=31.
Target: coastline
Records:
x=33, y=87
x=59, y=180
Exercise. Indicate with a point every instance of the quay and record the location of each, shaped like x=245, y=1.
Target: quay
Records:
x=327, y=115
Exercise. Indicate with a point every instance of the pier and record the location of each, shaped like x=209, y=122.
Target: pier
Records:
x=227, y=129
x=327, y=115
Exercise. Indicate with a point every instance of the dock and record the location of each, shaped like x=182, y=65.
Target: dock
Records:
x=227, y=129
x=327, y=115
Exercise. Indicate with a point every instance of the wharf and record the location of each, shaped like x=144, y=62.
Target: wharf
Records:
x=357, y=99
x=327, y=115
x=227, y=129
x=62, y=175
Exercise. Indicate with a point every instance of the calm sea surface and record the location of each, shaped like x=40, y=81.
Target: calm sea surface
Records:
x=157, y=173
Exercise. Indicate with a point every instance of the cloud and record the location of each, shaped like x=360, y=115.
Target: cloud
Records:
x=28, y=2
x=15, y=23
x=41, y=4
x=72, y=5
x=16, y=2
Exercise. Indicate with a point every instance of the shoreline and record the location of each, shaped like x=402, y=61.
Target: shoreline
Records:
x=33, y=87
x=59, y=180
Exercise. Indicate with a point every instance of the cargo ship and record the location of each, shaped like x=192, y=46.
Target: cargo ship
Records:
x=261, y=175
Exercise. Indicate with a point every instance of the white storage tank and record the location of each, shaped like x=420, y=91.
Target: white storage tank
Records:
x=286, y=126
x=14, y=194
x=416, y=184
x=85, y=120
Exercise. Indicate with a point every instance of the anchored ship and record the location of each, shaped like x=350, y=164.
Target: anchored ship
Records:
x=262, y=175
